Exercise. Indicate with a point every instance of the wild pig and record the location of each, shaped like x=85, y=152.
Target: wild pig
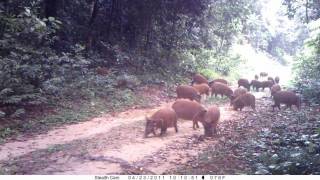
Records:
x=209, y=120
x=237, y=93
x=263, y=74
x=188, y=110
x=271, y=79
x=199, y=79
x=243, y=100
x=286, y=97
x=277, y=79
x=245, y=83
x=275, y=88
x=266, y=84
x=162, y=119
x=223, y=81
x=222, y=89
x=188, y=92
x=256, y=84
x=202, y=88
x=256, y=77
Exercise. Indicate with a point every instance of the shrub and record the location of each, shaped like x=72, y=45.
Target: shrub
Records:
x=307, y=66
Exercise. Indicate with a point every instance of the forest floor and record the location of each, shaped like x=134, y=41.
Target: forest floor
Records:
x=248, y=142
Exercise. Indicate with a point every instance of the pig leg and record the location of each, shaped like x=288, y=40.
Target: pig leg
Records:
x=154, y=132
x=194, y=123
x=254, y=108
x=163, y=131
x=176, y=126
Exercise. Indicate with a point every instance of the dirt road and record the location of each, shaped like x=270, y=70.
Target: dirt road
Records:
x=109, y=145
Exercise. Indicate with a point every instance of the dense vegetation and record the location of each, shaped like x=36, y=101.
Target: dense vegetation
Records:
x=62, y=50
x=64, y=61
x=52, y=50
x=307, y=65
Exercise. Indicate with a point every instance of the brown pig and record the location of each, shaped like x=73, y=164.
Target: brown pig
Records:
x=245, y=83
x=189, y=110
x=256, y=84
x=275, y=88
x=237, y=93
x=243, y=100
x=263, y=74
x=199, y=79
x=162, y=119
x=223, y=81
x=286, y=97
x=209, y=120
x=266, y=84
x=202, y=88
x=188, y=92
x=277, y=79
x=222, y=89
x=271, y=79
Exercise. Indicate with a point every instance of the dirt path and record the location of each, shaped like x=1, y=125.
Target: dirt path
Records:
x=108, y=145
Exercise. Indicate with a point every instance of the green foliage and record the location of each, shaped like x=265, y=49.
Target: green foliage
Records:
x=209, y=73
x=50, y=55
x=311, y=9
x=307, y=66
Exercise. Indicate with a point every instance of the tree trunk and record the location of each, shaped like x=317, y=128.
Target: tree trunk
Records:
x=110, y=19
x=93, y=14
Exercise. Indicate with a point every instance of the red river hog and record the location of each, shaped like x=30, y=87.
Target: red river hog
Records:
x=277, y=79
x=237, y=93
x=188, y=110
x=209, y=120
x=256, y=84
x=223, y=81
x=188, y=92
x=271, y=79
x=162, y=119
x=245, y=83
x=202, y=88
x=263, y=74
x=244, y=100
x=275, y=88
x=266, y=84
x=286, y=97
x=222, y=89
x=199, y=79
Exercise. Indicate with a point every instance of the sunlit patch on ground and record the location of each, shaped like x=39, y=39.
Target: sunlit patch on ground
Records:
x=261, y=62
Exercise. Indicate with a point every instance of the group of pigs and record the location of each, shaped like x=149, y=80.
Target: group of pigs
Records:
x=188, y=106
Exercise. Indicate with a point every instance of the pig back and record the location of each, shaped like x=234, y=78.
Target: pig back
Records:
x=186, y=109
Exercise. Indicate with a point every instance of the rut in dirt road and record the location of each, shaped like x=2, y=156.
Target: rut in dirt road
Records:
x=109, y=145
